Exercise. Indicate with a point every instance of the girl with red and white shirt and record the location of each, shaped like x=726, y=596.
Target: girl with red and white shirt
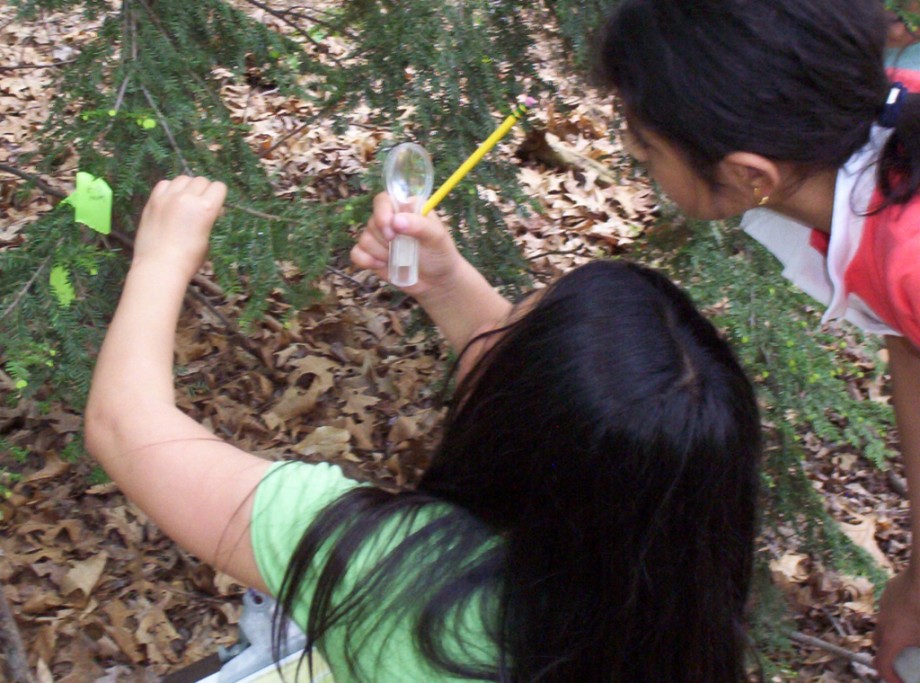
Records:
x=784, y=111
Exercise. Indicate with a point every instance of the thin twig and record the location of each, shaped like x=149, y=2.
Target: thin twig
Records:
x=363, y=286
x=284, y=138
x=282, y=16
x=244, y=341
x=308, y=13
x=898, y=484
x=22, y=292
x=16, y=67
x=306, y=124
x=555, y=252
x=119, y=100
x=262, y=214
x=39, y=183
x=838, y=627
x=17, y=661
x=835, y=622
x=172, y=140
x=134, y=42
x=325, y=110
x=330, y=106
x=842, y=652
x=214, y=289
x=206, y=87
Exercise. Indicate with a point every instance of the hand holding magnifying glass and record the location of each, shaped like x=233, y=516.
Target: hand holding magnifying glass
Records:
x=409, y=177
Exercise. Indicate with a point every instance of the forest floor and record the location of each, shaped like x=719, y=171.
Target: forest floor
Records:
x=100, y=594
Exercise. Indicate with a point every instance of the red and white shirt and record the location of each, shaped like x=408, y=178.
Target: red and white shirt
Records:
x=867, y=270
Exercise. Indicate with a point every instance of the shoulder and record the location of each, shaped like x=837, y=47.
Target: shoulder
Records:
x=892, y=250
x=298, y=490
x=896, y=230
x=292, y=477
x=287, y=500
x=910, y=77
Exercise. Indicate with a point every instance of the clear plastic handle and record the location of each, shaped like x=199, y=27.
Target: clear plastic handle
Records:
x=409, y=177
x=907, y=664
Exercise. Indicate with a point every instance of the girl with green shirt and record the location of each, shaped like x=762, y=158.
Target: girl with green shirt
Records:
x=589, y=514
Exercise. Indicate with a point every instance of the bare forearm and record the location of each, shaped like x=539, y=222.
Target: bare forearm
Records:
x=172, y=467
x=905, y=372
x=898, y=621
x=465, y=306
x=133, y=374
x=169, y=465
x=458, y=298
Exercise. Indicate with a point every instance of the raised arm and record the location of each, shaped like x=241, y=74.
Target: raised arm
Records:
x=899, y=614
x=458, y=298
x=196, y=487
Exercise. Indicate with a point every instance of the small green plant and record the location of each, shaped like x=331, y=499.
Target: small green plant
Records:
x=97, y=476
x=73, y=451
x=907, y=11
x=19, y=455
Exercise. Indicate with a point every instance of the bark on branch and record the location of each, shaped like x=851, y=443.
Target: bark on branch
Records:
x=842, y=652
x=39, y=183
x=546, y=148
x=17, y=661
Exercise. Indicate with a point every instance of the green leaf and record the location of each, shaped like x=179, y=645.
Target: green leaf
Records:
x=60, y=285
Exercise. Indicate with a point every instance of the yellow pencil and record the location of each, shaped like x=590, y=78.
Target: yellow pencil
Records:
x=476, y=156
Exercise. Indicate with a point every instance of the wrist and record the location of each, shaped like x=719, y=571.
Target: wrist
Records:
x=154, y=291
x=463, y=304
x=911, y=573
x=166, y=267
x=448, y=284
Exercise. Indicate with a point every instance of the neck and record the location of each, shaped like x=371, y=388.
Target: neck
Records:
x=810, y=201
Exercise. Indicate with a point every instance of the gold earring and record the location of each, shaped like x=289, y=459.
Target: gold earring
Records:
x=761, y=201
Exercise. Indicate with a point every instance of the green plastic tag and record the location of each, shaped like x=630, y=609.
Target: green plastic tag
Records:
x=92, y=203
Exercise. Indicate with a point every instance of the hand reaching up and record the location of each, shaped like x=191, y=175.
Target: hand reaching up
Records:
x=176, y=224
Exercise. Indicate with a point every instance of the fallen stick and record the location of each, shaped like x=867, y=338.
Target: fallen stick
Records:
x=545, y=147
x=842, y=652
x=17, y=661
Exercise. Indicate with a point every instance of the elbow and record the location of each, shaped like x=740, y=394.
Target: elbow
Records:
x=92, y=433
x=99, y=427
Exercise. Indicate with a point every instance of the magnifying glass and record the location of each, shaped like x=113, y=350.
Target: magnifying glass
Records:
x=907, y=664
x=409, y=176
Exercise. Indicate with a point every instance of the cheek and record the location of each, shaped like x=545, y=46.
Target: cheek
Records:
x=634, y=148
x=693, y=200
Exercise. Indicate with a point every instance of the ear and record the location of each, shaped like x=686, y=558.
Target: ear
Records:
x=746, y=171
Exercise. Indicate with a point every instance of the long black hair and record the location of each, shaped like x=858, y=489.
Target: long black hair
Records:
x=798, y=81
x=600, y=462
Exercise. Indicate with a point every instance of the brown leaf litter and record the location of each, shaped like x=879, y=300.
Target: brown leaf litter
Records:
x=100, y=594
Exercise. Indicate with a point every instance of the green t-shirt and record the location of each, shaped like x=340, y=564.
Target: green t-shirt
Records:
x=287, y=500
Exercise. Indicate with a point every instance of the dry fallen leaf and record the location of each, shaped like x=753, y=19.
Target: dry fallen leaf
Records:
x=293, y=403
x=863, y=535
x=54, y=467
x=83, y=576
x=861, y=593
x=790, y=568
x=325, y=441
